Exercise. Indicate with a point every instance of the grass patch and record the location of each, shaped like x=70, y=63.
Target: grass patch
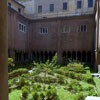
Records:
x=15, y=95
x=65, y=95
x=97, y=83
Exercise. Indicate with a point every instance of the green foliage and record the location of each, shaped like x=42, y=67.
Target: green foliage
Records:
x=88, y=77
x=97, y=84
x=73, y=64
x=74, y=86
x=51, y=94
x=15, y=95
x=35, y=96
x=24, y=92
x=42, y=96
x=17, y=72
x=10, y=64
x=22, y=82
x=47, y=66
x=49, y=81
x=80, y=96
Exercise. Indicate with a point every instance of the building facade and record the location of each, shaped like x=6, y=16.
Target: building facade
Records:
x=68, y=6
x=69, y=31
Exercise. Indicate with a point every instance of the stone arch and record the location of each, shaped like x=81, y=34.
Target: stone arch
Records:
x=83, y=56
x=69, y=55
x=73, y=55
x=50, y=55
x=64, y=55
x=16, y=56
x=37, y=56
x=33, y=55
x=54, y=52
x=25, y=56
x=79, y=56
x=46, y=55
x=41, y=56
x=89, y=56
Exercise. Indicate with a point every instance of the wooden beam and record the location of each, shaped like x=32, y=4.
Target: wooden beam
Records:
x=3, y=51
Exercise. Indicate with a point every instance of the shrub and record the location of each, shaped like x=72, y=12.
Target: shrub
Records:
x=80, y=96
x=17, y=72
x=74, y=86
x=78, y=76
x=48, y=93
x=74, y=64
x=51, y=94
x=71, y=74
x=60, y=71
x=49, y=87
x=37, y=78
x=10, y=64
x=88, y=77
x=24, y=92
x=22, y=82
x=42, y=96
x=35, y=96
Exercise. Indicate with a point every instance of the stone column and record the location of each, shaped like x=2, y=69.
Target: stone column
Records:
x=3, y=51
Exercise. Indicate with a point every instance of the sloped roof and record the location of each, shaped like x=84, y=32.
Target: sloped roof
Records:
x=18, y=3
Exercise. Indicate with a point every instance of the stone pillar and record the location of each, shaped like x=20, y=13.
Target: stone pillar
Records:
x=97, y=18
x=3, y=51
x=59, y=58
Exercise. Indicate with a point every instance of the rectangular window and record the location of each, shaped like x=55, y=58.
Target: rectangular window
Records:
x=44, y=30
x=40, y=9
x=9, y=4
x=19, y=26
x=65, y=6
x=24, y=30
x=79, y=4
x=82, y=28
x=19, y=10
x=90, y=3
x=66, y=29
x=51, y=7
x=22, y=27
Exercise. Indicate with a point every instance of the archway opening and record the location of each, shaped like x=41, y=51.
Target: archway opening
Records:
x=33, y=55
x=41, y=56
x=89, y=56
x=83, y=56
x=69, y=55
x=46, y=55
x=50, y=55
x=73, y=55
x=64, y=56
x=79, y=56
